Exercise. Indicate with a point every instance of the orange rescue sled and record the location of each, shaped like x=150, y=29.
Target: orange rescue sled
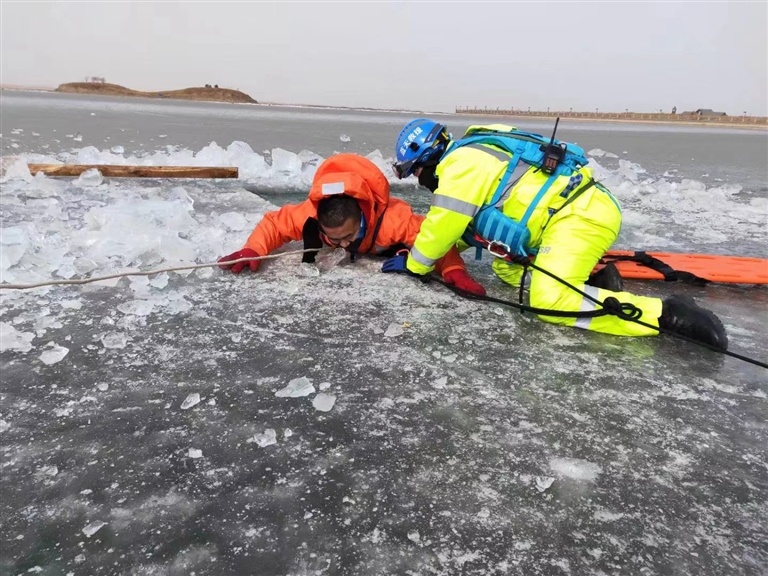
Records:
x=691, y=268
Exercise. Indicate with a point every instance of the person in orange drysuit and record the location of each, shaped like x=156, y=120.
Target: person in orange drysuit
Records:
x=348, y=206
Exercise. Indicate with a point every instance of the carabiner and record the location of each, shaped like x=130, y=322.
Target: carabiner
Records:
x=504, y=247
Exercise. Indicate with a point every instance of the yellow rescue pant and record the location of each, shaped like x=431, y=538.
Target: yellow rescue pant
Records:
x=571, y=244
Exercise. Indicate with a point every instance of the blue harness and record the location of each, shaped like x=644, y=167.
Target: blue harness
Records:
x=490, y=223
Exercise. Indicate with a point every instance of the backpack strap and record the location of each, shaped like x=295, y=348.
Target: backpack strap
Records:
x=526, y=147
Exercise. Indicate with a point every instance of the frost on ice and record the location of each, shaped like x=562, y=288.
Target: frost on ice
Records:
x=575, y=468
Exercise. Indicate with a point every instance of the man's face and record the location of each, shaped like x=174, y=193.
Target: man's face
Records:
x=342, y=235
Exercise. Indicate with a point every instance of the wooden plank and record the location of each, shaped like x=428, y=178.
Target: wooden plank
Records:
x=118, y=171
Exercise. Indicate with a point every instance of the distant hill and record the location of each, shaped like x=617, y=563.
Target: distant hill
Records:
x=199, y=93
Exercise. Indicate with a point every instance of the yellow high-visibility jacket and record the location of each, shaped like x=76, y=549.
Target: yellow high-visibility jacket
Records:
x=467, y=180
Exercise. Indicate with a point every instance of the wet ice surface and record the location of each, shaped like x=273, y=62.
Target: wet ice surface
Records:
x=143, y=430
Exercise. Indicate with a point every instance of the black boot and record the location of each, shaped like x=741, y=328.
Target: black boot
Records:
x=608, y=278
x=681, y=315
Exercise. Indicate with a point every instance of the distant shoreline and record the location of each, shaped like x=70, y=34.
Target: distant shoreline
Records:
x=205, y=93
x=226, y=95
x=647, y=122
x=751, y=123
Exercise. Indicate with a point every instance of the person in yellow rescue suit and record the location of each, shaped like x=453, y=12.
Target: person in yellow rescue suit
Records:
x=532, y=197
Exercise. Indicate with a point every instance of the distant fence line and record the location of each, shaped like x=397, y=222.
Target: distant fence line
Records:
x=658, y=116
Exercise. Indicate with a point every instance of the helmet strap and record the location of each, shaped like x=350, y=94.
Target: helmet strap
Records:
x=427, y=177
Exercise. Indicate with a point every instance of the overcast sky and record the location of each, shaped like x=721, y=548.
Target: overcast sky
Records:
x=432, y=56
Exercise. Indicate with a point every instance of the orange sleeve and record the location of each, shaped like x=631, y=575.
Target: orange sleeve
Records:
x=280, y=227
x=401, y=226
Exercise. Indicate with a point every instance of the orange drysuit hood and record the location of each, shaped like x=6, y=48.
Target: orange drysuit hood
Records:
x=358, y=177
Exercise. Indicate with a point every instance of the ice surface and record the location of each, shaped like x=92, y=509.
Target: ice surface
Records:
x=429, y=460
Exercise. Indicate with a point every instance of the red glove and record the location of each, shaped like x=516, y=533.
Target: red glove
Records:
x=240, y=266
x=463, y=281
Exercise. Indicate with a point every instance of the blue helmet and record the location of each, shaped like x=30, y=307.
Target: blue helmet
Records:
x=420, y=143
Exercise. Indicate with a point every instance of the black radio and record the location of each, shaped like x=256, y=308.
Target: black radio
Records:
x=553, y=153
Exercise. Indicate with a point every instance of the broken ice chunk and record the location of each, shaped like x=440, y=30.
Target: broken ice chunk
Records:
x=93, y=527
x=543, y=482
x=308, y=270
x=440, y=383
x=191, y=400
x=324, y=402
x=114, y=340
x=296, y=388
x=328, y=260
x=394, y=330
x=55, y=354
x=268, y=438
x=12, y=339
x=91, y=177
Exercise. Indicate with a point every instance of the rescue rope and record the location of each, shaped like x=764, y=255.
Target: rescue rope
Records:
x=611, y=305
x=79, y=281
